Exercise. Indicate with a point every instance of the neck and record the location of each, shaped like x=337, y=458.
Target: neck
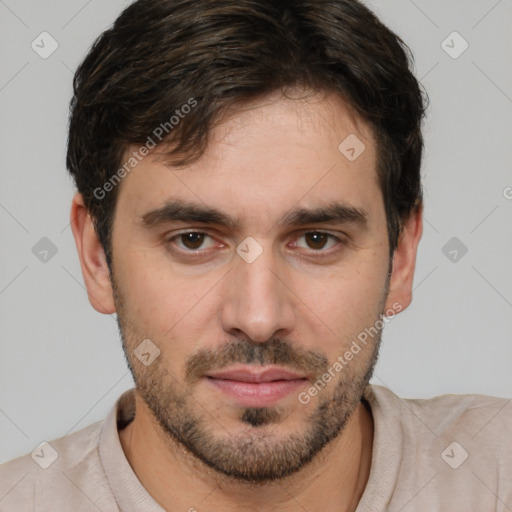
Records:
x=333, y=481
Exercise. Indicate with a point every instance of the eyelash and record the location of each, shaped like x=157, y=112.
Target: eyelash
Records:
x=312, y=252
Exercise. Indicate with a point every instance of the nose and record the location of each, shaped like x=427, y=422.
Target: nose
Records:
x=258, y=300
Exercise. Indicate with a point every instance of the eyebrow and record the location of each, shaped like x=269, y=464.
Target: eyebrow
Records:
x=178, y=210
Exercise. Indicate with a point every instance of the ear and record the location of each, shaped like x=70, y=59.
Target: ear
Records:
x=404, y=261
x=95, y=270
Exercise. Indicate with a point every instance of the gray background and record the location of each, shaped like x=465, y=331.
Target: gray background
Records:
x=61, y=363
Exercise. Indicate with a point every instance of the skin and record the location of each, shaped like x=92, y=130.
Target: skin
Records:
x=308, y=297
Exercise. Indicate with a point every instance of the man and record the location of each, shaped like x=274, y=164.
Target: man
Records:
x=249, y=204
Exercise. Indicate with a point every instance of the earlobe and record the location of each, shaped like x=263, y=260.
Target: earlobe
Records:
x=95, y=270
x=404, y=261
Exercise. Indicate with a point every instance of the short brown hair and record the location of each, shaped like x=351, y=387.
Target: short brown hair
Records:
x=222, y=53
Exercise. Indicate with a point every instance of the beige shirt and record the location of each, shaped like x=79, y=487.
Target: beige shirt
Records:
x=451, y=453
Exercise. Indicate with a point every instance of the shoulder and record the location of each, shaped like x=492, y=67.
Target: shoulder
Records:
x=468, y=415
x=480, y=420
x=58, y=465
x=446, y=446
x=58, y=454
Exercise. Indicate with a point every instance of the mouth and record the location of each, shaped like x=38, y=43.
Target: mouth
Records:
x=255, y=387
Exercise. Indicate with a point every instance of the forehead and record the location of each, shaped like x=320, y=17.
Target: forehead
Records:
x=265, y=158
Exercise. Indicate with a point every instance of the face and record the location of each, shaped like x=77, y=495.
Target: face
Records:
x=268, y=253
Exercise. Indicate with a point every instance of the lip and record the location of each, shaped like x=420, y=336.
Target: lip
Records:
x=254, y=387
x=248, y=374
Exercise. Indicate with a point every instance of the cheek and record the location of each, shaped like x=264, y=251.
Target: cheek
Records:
x=349, y=298
x=163, y=304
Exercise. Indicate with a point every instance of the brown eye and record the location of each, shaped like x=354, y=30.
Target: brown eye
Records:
x=193, y=240
x=317, y=240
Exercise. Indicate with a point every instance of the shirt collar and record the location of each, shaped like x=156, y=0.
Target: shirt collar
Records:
x=127, y=489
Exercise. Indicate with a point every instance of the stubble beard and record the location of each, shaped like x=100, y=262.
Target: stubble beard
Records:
x=254, y=454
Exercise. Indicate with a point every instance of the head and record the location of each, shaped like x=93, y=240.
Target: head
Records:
x=249, y=193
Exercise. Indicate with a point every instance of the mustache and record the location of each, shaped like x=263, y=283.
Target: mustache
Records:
x=275, y=351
